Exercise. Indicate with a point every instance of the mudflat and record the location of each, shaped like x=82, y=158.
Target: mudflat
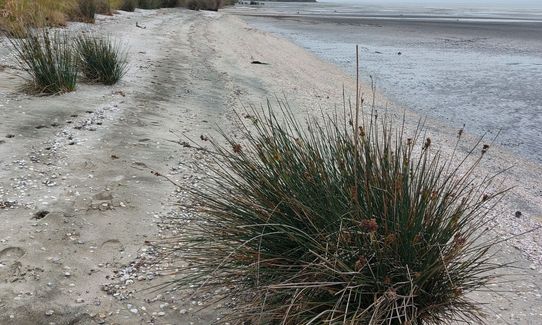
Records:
x=478, y=68
x=80, y=206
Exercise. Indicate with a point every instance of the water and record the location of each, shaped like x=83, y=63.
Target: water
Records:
x=471, y=65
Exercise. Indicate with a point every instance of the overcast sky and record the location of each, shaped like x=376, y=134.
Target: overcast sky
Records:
x=520, y=4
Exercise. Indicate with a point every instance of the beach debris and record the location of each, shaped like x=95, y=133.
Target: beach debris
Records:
x=7, y=204
x=9, y=136
x=40, y=214
x=518, y=214
x=399, y=53
x=139, y=26
x=258, y=62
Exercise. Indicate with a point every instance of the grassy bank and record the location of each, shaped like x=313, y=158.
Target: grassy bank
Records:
x=16, y=14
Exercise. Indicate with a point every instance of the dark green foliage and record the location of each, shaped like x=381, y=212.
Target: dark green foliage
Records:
x=213, y=5
x=317, y=225
x=87, y=10
x=49, y=59
x=168, y=3
x=129, y=5
x=101, y=60
x=103, y=7
x=149, y=4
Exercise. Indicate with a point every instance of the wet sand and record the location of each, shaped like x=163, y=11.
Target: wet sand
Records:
x=481, y=71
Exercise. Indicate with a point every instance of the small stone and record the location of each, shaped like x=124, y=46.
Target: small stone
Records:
x=49, y=312
x=518, y=214
x=183, y=311
x=134, y=311
x=161, y=313
x=79, y=300
x=67, y=274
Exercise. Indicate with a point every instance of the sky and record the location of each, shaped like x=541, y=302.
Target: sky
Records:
x=519, y=4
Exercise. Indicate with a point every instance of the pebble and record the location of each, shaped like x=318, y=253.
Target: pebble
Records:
x=134, y=311
x=49, y=312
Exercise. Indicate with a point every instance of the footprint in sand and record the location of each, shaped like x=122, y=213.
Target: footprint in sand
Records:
x=112, y=244
x=11, y=254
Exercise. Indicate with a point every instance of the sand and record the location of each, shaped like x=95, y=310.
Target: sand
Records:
x=78, y=202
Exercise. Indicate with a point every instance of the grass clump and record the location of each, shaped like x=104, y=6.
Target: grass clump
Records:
x=85, y=11
x=17, y=15
x=212, y=5
x=333, y=224
x=49, y=59
x=168, y=3
x=104, y=7
x=150, y=4
x=128, y=5
x=101, y=60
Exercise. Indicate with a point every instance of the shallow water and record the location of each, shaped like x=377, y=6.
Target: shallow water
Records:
x=474, y=66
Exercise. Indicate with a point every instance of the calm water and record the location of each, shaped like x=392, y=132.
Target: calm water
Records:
x=474, y=65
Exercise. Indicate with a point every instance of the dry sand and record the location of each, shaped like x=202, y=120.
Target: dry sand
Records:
x=85, y=159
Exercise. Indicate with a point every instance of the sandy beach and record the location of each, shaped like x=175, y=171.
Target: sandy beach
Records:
x=80, y=208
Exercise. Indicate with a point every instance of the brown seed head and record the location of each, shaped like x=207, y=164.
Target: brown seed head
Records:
x=369, y=225
x=427, y=143
x=390, y=239
x=360, y=263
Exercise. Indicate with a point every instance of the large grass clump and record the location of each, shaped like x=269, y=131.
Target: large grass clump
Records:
x=49, y=59
x=17, y=15
x=326, y=223
x=101, y=59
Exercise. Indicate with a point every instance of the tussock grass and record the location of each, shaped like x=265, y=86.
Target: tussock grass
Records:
x=17, y=15
x=85, y=11
x=323, y=223
x=169, y=3
x=213, y=5
x=150, y=4
x=128, y=5
x=101, y=59
x=104, y=7
x=49, y=59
